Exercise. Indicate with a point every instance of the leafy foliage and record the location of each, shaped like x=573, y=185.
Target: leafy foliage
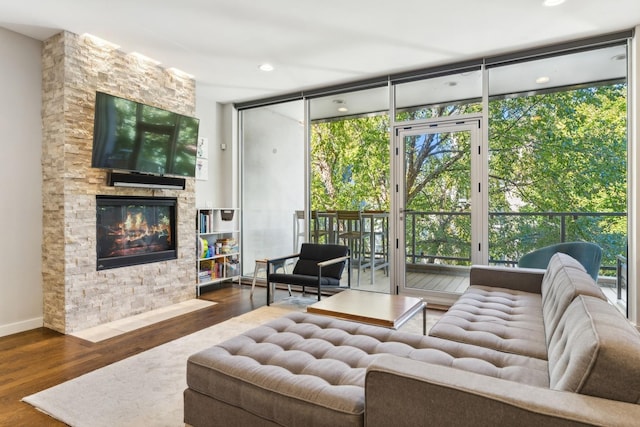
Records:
x=350, y=163
x=563, y=151
x=558, y=152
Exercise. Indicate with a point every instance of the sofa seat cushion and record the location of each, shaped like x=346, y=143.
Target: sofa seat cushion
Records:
x=482, y=360
x=496, y=318
x=596, y=351
x=304, y=367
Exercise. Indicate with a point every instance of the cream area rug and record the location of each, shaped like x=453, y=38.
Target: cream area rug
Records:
x=146, y=389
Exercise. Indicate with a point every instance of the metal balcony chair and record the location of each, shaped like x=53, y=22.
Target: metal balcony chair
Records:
x=299, y=232
x=587, y=254
x=320, y=222
x=318, y=266
x=351, y=233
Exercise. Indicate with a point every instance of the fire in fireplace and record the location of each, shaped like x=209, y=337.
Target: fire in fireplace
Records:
x=135, y=230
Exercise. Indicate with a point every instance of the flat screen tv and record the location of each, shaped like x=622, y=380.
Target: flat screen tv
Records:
x=135, y=137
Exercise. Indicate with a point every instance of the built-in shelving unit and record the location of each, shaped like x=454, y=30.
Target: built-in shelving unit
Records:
x=218, y=246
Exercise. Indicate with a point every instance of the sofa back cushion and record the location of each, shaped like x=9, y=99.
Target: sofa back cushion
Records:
x=563, y=281
x=595, y=351
x=557, y=262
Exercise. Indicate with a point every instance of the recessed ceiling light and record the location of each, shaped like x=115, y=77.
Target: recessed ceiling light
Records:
x=266, y=67
x=341, y=102
x=542, y=80
x=551, y=3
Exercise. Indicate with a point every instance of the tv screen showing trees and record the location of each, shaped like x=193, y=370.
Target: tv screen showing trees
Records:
x=131, y=136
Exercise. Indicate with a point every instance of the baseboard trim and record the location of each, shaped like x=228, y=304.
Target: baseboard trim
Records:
x=25, y=325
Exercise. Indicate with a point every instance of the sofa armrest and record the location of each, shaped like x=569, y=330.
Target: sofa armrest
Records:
x=520, y=279
x=403, y=392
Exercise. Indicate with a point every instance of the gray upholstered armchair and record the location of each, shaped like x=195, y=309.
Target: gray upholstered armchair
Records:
x=318, y=266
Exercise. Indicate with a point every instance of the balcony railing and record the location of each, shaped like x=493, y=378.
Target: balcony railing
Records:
x=435, y=236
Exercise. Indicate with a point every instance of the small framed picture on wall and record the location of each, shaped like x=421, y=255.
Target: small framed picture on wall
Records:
x=202, y=169
x=203, y=148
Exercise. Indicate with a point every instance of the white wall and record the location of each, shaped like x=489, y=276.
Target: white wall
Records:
x=21, y=183
x=231, y=160
x=216, y=124
x=207, y=193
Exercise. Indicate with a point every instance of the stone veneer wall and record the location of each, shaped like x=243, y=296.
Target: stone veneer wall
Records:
x=76, y=296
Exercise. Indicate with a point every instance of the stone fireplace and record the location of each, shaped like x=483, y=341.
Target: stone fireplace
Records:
x=134, y=230
x=78, y=293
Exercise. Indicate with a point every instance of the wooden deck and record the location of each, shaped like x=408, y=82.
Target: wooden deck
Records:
x=438, y=282
x=442, y=281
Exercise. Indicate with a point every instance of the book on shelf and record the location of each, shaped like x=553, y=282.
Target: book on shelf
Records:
x=206, y=221
x=215, y=220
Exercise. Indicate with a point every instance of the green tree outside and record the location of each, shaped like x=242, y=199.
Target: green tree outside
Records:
x=563, y=151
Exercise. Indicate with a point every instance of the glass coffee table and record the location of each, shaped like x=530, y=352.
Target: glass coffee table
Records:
x=390, y=311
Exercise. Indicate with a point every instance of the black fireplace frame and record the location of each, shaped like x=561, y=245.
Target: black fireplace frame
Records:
x=105, y=263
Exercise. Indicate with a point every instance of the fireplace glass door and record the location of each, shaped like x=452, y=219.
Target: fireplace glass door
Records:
x=134, y=230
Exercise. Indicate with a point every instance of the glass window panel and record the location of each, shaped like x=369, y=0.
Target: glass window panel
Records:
x=439, y=96
x=350, y=166
x=589, y=67
x=273, y=179
x=350, y=180
x=362, y=102
x=558, y=155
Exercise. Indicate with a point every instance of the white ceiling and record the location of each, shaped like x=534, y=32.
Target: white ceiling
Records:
x=314, y=44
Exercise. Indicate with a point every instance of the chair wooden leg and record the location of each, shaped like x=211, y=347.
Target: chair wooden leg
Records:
x=255, y=277
x=284, y=268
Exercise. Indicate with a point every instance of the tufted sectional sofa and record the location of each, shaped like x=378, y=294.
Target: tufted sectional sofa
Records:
x=520, y=347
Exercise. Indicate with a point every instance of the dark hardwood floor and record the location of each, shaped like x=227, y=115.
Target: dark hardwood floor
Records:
x=35, y=360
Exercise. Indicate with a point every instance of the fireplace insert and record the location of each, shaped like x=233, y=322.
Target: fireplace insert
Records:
x=134, y=230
